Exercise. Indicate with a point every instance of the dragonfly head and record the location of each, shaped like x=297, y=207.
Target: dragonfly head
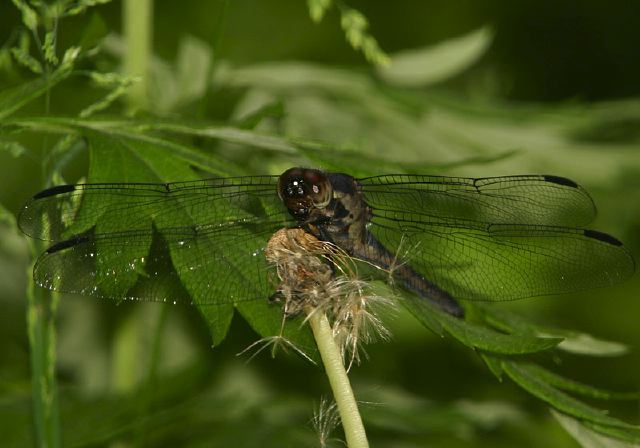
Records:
x=305, y=192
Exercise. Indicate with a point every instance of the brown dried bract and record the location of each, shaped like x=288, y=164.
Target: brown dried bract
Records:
x=303, y=267
x=317, y=276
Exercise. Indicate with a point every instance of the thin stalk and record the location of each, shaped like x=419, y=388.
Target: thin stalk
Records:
x=343, y=394
x=137, y=29
x=126, y=348
x=41, y=310
x=150, y=382
x=137, y=26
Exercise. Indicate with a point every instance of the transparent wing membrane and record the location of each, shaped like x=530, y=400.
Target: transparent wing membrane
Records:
x=197, y=242
x=495, y=262
x=202, y=242
x=62, y=211
x=534, y=199
x=214, y=267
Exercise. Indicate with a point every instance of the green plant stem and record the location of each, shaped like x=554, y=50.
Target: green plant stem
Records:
x=41, y=309
x=126, y=352
x=137, y=26
x=340, y=385
x=137, y=30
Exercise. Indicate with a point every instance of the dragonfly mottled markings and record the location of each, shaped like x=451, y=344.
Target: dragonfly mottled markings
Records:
x=490, y=239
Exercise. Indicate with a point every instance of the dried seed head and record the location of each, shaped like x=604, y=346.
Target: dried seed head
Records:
x=317, y=276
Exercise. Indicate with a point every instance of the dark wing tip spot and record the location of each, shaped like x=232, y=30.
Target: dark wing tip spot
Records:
x=560, y=181
x=53, y=191
x=66, y=244
x=604, y=237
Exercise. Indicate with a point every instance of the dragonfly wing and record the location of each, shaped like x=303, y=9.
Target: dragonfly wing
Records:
x=494, y=262
x=197, y=241
x=206, y=266
x=528, y=199
x=60, y=212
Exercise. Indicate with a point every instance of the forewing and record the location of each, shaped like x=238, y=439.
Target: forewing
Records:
x=196, y=241
x=494, y=262
x=529, y=199
x=60, y=212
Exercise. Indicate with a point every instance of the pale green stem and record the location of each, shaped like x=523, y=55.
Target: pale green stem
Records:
x=41, y=310
x=137, y=26
x=126, y=348
x=137, y=18
x=340, y=385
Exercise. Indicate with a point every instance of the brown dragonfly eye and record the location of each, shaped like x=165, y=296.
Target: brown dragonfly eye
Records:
x=303, y=190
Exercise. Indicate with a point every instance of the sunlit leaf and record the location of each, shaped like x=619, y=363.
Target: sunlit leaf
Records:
x=573, y=342
x=474, y=335
x=430, y=65
x=528, y=380
x=588, y=438
x=585, y=344
x=576, y=387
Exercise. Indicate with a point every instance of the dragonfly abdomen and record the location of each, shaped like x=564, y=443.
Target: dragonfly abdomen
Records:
x=376, y=253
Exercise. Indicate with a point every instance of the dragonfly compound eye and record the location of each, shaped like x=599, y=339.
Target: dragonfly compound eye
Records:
x=319, y=186
x=303, y=190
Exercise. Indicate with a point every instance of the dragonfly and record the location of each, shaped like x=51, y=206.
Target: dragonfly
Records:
x=202, y=242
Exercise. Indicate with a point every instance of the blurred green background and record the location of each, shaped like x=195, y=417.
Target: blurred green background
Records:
x=549, y=87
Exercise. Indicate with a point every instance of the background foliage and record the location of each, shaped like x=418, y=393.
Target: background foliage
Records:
x=474, y=88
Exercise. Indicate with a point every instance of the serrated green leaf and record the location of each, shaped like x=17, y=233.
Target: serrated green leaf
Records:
x=585, y=344
x=577, y=343
x=430, y=65
x=589, y=438
x=118, y=158
x=134, y=132
x=483, y=338
x=627, y=435
x=474, y=335
x=524, y=376
x=232, y=135
x=569, y=385
x=505, y=320
x=121, y=159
